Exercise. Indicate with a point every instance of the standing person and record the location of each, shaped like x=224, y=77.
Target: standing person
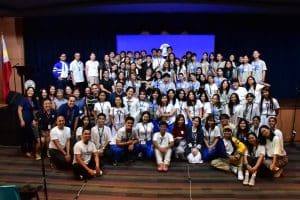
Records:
x=166, y=111
x=224, y=93
x=61, y=72
x=59, y=146
x=234, y=152
x=181, y=104
x=43, y=122
x=84, y=123
x=276, y=157
x=234, y=109
x=126, y=142
x=255, y=88
x=194, y=107
x=86, y=162
x=259, y=67
x=131, y=103
x=92, y=70
x=210, y=88
x=250, y=109
x=145, y=131
x=195, y=142
x=268, y=105
x=80, y=102
x=245, y=70
x=119, y=92
x=101, y=137
x=163, y=143
x=204, y=63
x=216, y=108
x=255, y=125
x=158, y=61
x=253, y=158
x=154, y=102
x=102, y=106
x=106, y=84
x=77, y=72
x=71, y=113
x=240, y=91
x=167, y=84
x=220, y=77
x=228, y=71
x=26, y=108
x=193, y=65
x=182, y=84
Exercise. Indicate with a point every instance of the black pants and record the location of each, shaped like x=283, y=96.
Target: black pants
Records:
x=59, y=159
x=79, y=170
x=27, y=139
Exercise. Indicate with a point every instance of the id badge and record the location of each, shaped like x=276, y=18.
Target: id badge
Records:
x=143, y=142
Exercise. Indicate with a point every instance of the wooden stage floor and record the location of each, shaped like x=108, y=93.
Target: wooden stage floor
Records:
x=141, y=181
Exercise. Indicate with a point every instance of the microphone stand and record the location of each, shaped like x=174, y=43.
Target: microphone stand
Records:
x=43, y=162
x=293, y=133
x=80, y=190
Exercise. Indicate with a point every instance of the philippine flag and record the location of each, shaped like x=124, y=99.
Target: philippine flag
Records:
x=6, y=70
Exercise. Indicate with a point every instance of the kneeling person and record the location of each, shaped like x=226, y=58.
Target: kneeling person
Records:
x=86, y=161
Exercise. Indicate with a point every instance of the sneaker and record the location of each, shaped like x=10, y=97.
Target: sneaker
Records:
x=38, y=157
x=160, y=168
x=240, y=175
x=165, y=168
x=252, y=181
x=278, y=173
x=246, y=179
x=234, y=169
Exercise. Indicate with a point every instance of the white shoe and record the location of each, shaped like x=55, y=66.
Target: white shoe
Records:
x=252, y=181
x=246, y=179
x=240, y=175
x=233, y=169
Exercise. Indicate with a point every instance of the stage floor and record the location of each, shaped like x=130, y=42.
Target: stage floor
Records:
x=141, y=181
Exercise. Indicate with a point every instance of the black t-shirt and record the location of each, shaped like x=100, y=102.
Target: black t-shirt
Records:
x=107, y=84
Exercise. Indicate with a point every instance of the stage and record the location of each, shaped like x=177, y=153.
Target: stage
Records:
x=141, y=181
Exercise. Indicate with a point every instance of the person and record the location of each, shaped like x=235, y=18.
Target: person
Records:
x=167, y=84
x=126, y=142
x=84, y=123
x=276, y=157
x=163, y=142
x=244, y=71
x=259, y=67
x=220, y=77
x=102, y=106
x=268, y=105
x=225, y=121
x=193, y=65
x=250, y=108
x=181, y=104
x=43, y=121
x=272, y=122
x=179, y=135
x=240, y=91
x=194, y=106
x=242, y=130
x=255, y=125
x=59, y=146
x=107, y=84
x=216, y=107
x=80, y=102
x=195, y=142
x=228, y=71
x=131, y=103
x=234, y=108
x=194, y=84
x=154, y=101
x=119, y=92
x=70, y=112
x=101, y=137
x=61, y=72
x=253, y=158
x=212, y=136
x=145, y=131
x=143, y=102
x=92, y=70
x=181, y=83
x=158, y=61
x=224, y=93
x=255, y=88
x=233, y=159
x=166, y=111
x=86, y=162
x=26, y=108
x=77, y=72
x=59, y=98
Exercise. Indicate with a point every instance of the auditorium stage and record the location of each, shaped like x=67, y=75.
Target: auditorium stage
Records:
x=141, y=181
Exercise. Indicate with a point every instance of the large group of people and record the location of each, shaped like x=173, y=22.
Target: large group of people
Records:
x=135, y=105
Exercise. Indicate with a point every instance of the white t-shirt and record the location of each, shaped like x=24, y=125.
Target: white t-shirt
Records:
x=144, y=106
x=260, y=150
x=76, y=67
x=144, y=131
x=275, y=147
x=181, y=109
x=158, y=63
x=237, y=112
x=133, y=107
x=210, y=135
x=93, y=68
x=258, y=67
x=266, y=110
x=124, y=136
x=103, y=107
x=84, y=150
x=194, y=111
x=163, y=141
x=210, y=89
x=228, y=146
x=100, y=136
x=241, y=92
x=167, y=109
x=62, y=135
x=256, y=92
x=244, y=72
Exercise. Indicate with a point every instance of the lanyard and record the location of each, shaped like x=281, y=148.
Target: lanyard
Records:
x=100, y=134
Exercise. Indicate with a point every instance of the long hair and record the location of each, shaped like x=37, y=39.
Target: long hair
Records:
x=145, y=113
x=266, y=88
x=247, y=86
x=210, y=118
x=250, y=146
x=262, y=140
x=221, y=89
x=189, y=101
x=177, y=95
x=177, y=119
x=231, y=104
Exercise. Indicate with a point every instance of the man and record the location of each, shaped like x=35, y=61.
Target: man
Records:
x=86, y=161
x=167, y=84
x=106, y=84
x=126, y=142
x=61, y=72
x=234, y=150
x=259, y=68
x=255, y=125
x=92, y=70
x=272, y=121
x=158, y=61
x=163, y=143
x=244, y=70
x=193, y=65
x=145, y=65
x=101, y=137
x=240, y=91
x=119, y=92
x=194, y=85
x=250, y=109
x=224, y=118
x=77, y=72
x=59, y=146
x=70, y=111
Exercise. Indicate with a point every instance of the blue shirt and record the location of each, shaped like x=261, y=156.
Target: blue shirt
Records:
x=70, y=114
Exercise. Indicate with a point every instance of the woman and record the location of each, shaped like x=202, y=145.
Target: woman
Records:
x=242, y=130
x=194, y=141
x=181, y=83
x=179, y=135
x=178, y=69
x=84, y=124
x=68, y=91
x=26, y=108
x=276, y=157
x=204, y=63
x=224, y=93
x=133, y=82
x=255, y=88
x=59, y=99
x=144, y=105
x=157, y=81
x=228, y=71
x=210, y=88
x=219, y=78
x=145, y=131
x=43, y=94
x=253, y=158
x=117, y=116
x=167, y=111
x=206, y=106
x=194, y=107
x=268, y=105
x=212, y=136
x=181, y=104
x=234, y=108
x=102, y=106
x=216, y=108
x=146, y=84
x=80, y=102
x=153, y=105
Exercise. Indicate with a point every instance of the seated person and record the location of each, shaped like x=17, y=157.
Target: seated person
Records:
x=194, y=140
x=86, y=161
x=179, y=134
x=233, y=159
x=59, y=146
x=126, y=142
x=163, y=143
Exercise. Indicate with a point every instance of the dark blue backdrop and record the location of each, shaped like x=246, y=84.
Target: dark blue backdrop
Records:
x=275, y=37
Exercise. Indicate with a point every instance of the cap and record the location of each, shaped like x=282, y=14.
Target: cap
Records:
x=227, y=128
